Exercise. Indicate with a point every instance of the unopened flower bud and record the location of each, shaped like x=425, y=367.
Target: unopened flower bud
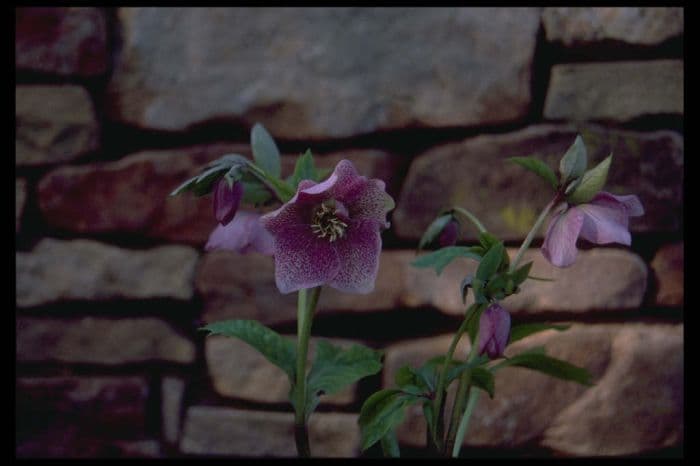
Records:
x=226, y=200
x=494, y=331
x=448, y=235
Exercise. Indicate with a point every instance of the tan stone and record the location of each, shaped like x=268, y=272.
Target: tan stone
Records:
x=616, y=91
x=54, y=124
x=57, y=270
x=100, y=341
x=214, y=430
x=668, y=271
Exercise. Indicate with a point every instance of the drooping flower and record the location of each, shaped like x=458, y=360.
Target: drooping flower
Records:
x=449, y=234
x=494, y=331
x=244, y=234
x=329, y=232
x=602, y=220
x=226, y=200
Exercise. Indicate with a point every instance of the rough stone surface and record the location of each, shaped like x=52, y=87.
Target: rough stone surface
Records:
x=213, y=430
x=54, y=124
x=100, y=341
x=172, y=391
x=65, y=41
x=136, y=199
x=618, y=91
x=307, y=72
x=474, y=174
x=578, y=25
x=237, y=370
x=668, y=271
x=529, y=404
x=20, y=199
x=581, y=288
x=636, y=406
x=243, y=287
x=78, y=416
x=57, y=270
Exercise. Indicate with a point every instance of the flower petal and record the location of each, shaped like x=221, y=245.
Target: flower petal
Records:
x=226, y=201
x=630, y=202
x=243, y=234
x=559, y=246
x=303, y=260
x=358, y=253
x=605, y=224
x=494, y=331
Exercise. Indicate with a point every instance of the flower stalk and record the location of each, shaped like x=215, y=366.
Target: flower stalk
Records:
x=306, y=304
x=535, y=228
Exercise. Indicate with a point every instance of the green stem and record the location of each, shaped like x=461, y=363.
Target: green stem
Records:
x=473, y=397
x=305, y=311
x=463, y=390
x=471, y=217
x=442, y=378
x=531, y=235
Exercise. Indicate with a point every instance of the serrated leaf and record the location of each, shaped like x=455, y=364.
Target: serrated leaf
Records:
x=334, y=368
x=591, y=183
x=381, y=413
x=442, y=257
x=484, y=379
x=277, y=349
x=548, y=365
x=518, y=332
x=434, y=230
x=490, y=262
x=265, y=151
x=574, y=161
x=538, y=167
x=304, y=169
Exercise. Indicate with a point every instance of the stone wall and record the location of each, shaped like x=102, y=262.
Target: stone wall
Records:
x=116, y=107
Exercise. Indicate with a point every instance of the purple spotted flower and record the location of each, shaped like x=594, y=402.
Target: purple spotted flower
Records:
x=602, y=220
x=244, y=234
x=226, y=200
x=494, y=331
x=329, y=232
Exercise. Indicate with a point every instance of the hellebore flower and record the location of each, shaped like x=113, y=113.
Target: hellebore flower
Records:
x=448, y=235
x=604, y=219
x=329, y=232
x=243, y=235
x=226, y=200
x=494, y=331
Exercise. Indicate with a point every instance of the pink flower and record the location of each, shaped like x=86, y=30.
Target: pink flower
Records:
x=226, y=200
x=494, y=331
x=329, y=232
x=604, y=219
x=243, y=235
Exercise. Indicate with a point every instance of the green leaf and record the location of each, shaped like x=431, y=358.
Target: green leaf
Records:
x=442, y=257
x=278, y=350
x=304, y=169
x=518, y=332
x=473, y=323
x=591, y=183
x=434, y=230
x=255, y=193
x=520, y=274
x=186, y=186
x=487, y=240
x=574, y=161
x=538, y=167
x=548, y=365
x=265, y=151
x=483, y=378
x=390, y=445
x=334, y=368
x=457, y=369
x=490, y=262
x=381, y=413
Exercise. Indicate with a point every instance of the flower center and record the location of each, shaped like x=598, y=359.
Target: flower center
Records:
x=325, y=224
